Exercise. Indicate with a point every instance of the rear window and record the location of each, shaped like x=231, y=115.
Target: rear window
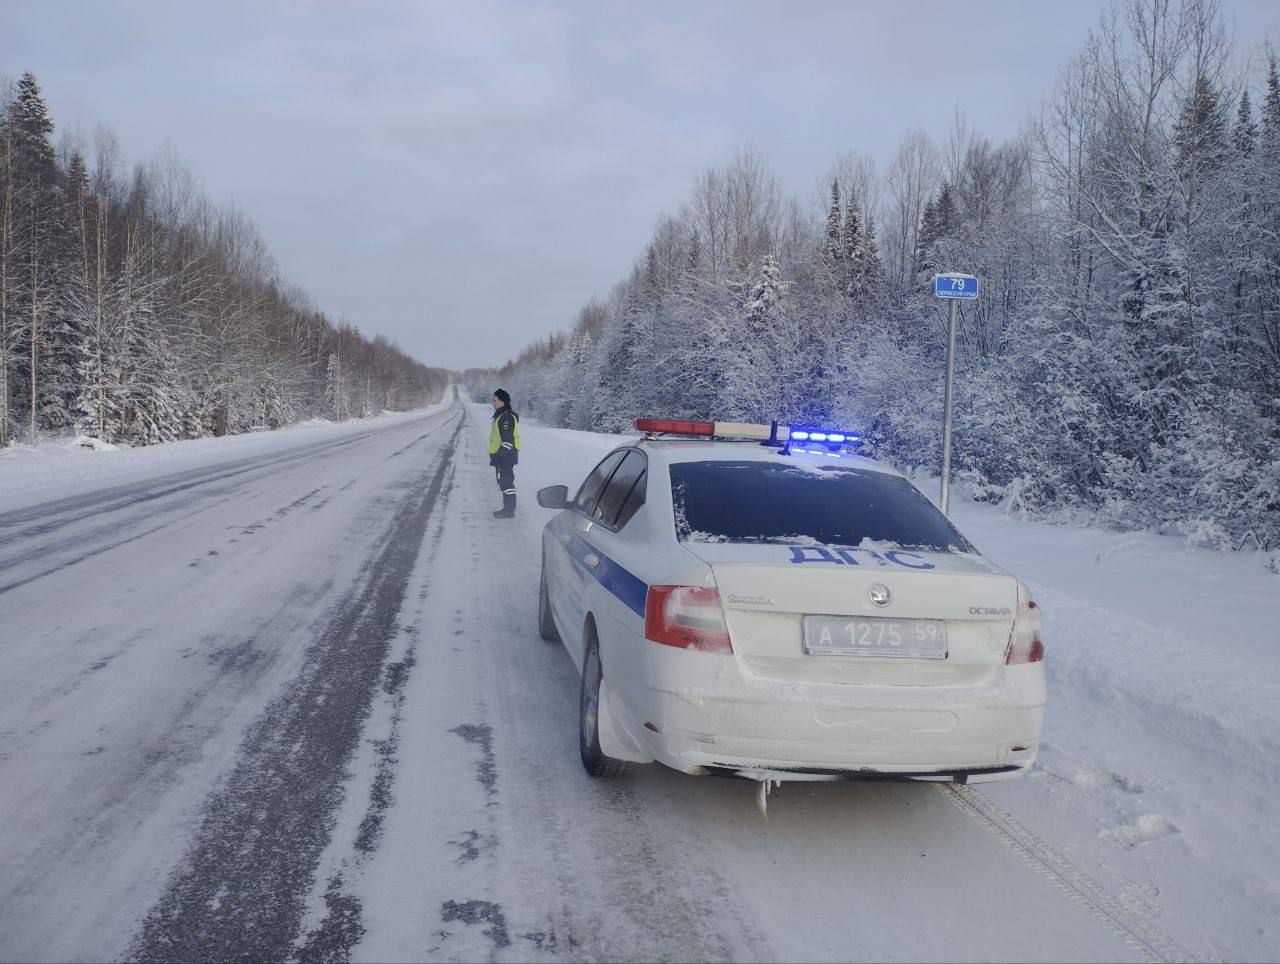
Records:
x=833, y=505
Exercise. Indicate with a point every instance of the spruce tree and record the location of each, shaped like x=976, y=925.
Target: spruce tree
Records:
x=96, y=409
x=763, y=360
x=1268, y=159
x=1270, y=138
x=40, y=235
x=78, y=203
x=1244, y=138
x=833, y=252
x=872, y=266
x=940, y=220
x=948, y=216
x=89, y=408
x=1242, y=238
x=1200, y=133
x=157, y=397
x=766, y=296
x=926, y=237
x=851, y=249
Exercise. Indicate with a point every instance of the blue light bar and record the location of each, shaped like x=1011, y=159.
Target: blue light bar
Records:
x=829, y=437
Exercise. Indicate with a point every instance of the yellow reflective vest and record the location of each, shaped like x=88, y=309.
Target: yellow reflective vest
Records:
x=496, y=431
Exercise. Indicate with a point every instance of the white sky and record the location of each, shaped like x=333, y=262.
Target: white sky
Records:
x=462, y=177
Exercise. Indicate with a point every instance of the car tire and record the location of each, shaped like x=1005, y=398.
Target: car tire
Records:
x=594, y=760
x=546, y=621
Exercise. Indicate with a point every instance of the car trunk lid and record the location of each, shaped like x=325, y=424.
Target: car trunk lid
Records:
x=767, y=590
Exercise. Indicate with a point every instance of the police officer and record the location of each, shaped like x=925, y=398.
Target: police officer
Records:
x=504, y=450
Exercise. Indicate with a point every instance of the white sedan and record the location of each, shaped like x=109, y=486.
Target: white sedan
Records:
x=784, y=614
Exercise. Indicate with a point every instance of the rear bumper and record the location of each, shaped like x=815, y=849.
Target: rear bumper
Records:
x=797, y=759
x=737, y=725
x=871, y=775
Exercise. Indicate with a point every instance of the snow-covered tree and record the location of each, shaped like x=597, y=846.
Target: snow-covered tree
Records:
x=1123, y=363
x=135, y=310
x=335, y=388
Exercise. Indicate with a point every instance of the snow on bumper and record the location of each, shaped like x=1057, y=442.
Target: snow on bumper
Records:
x=700, y=711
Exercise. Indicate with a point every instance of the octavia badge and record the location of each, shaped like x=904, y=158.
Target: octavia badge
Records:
x=881, y=595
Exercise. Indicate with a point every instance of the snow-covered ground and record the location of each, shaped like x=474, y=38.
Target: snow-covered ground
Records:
x=283, y=695
x=1160, y=767
x=32, y=474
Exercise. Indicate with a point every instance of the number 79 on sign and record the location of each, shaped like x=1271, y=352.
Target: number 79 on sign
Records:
x=962, y=286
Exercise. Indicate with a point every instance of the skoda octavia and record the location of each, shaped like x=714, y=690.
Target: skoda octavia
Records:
x=763, y=602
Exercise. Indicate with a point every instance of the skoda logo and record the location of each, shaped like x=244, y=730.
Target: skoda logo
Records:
x=880, y=594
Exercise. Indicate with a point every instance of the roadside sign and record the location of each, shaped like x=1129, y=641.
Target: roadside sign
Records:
x=951, y=287
x=961, y=286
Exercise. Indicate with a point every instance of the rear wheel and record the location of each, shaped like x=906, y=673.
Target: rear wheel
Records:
x=594, y=760
x=546, y=622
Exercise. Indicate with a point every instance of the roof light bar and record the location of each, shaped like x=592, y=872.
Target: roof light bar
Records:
x=777, y=435
x=669, y=426
x=832, y=439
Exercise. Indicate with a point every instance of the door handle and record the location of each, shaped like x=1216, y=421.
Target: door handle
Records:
x=566, y=538
x=591, y=559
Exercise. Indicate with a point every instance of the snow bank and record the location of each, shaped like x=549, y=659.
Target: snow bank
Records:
x=61, y=468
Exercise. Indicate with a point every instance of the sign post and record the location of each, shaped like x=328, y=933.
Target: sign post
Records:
x=953, y=288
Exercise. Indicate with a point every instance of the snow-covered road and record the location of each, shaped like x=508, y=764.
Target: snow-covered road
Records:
x=292, y=703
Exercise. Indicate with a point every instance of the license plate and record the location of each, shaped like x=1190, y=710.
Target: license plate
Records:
x=873, y=636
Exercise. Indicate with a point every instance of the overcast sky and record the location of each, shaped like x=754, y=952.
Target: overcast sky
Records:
x=463, y=177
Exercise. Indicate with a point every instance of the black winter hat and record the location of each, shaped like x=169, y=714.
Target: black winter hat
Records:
x=502, y=396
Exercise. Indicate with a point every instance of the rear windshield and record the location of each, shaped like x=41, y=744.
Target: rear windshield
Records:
x=778, y=503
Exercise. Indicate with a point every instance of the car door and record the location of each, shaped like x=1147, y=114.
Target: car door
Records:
x=578, y=574
x=621, y=597
x=626, y=562
x=624, y=494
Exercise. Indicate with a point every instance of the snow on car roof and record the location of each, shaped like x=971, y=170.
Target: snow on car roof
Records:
x=722, y=450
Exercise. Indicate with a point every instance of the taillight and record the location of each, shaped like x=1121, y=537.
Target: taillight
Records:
x=1026, y=642
x=687, y=617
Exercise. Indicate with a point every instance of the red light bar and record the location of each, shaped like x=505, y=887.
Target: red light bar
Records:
x=673, y=427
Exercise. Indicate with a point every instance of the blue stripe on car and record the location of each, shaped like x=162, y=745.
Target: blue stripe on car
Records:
x=628, y=587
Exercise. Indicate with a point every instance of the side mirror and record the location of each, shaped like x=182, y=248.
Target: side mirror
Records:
x=554, y=497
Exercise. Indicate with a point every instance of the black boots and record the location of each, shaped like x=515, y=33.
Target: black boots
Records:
x=508, y=509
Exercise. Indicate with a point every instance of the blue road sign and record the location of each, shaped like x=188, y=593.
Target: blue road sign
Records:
x=964, y=286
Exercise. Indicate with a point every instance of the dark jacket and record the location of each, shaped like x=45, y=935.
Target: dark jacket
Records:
x=508, y=454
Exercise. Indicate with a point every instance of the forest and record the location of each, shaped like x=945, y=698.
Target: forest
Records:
x=134, y=310
x=1122, y=366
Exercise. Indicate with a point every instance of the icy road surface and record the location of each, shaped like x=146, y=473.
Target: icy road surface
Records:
x=284, y=698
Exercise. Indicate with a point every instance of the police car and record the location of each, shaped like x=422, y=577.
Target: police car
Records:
x=761, y=601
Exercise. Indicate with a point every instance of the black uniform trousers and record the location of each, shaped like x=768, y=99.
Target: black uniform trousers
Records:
x=506, y=477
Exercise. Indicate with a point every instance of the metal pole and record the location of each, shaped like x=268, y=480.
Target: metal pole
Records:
x=946, y=417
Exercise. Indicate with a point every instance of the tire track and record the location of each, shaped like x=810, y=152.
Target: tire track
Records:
x=342, y=924
x=240, y=893
x=612, y=884
x=197, y=492
x=46, y=518
x=1152, y=944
